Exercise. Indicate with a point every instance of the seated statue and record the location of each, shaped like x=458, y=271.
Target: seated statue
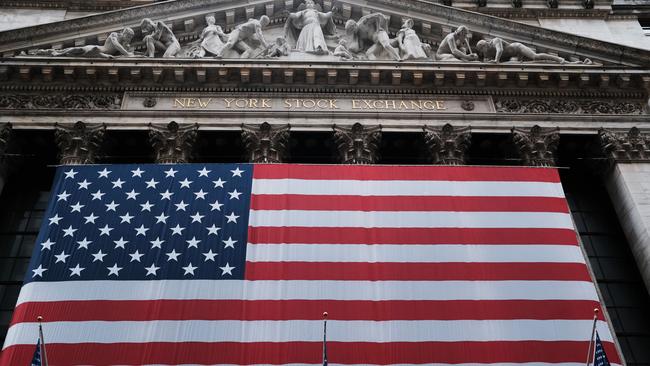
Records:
x=117, y=44
x=342, y=50
x=278, y=48
x=409, y=43
x=210, y=41
x=247, y=38
x=369, y=35
x=497, y=49
x=455, y=47
x=158, y=36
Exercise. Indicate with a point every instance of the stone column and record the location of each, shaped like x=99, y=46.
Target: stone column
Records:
x=265, y=143
x=5, y=134
x=447, y=145
x=172, y=143
x=537, y=146
x=79, y=144
x=358, y=144
x=628, y=182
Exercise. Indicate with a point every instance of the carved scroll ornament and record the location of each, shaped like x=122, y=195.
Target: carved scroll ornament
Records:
x=265, y=143
x=447, y=145
x=173, y=144
x=514, y=105
x=61, y=101
x=358, y=144
x=537, y=146
x=79, y=144
x=622, y=147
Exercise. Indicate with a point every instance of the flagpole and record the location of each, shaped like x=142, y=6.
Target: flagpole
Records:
x=325, y=338
x=42, y=339
x=591, y=340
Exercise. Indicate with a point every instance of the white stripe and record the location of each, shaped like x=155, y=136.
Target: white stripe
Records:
x=306, y=331
x=406, y=188
x=405, y=219
x=307, y=290
x=413, y=253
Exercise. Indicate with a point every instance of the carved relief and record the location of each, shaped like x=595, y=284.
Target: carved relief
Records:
x=265, y=143
x=630, y=146
x=409, y=43
x=498, y=50
x=368, y=38
x=60, y=101
x=117, y=44
x=455, y=46
x=79, y=144
x=246, y=40
x=157, y=36
x=447, y=145
x=172, y=143
x=305, y=30
x=513, y=105
x=357, y=144
x=537, y=146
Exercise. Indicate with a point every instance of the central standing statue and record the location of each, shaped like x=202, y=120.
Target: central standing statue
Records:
x=305, y=30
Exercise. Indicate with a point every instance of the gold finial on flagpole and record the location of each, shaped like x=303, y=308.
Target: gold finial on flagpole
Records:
x=325, y=314
x=592, y=347
x=39, y=318
x=42, y=340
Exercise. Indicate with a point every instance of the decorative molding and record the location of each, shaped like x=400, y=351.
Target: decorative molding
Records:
x=632, y=146
x=358, y=144
x=513, y=105
x=79, y=144
x=537, y=146
x=265, y=143
x=448, y=145
x=61, y=101
x=172, y=143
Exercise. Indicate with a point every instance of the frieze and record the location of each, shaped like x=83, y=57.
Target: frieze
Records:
x=540, y=106
x=61, y=101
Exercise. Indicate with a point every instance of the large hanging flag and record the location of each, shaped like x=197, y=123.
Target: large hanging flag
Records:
x=234, y=265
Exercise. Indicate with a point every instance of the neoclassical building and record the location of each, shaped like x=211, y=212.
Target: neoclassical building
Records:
x=488, y=82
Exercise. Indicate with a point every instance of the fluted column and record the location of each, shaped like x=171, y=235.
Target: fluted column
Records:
x=79, y=144
x=5, y=134
x=173, y=143
x=265, y=143
x=537, y=146
x=358, y=144
x=628, y=183
x=447, y=145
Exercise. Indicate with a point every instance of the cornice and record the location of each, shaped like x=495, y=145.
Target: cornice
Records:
x=84, y=5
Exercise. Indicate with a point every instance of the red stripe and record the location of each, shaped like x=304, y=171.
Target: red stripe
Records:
x=416, y=271
x=440, y=173
x=320, y=235
x=304, y=310
x=408, y=203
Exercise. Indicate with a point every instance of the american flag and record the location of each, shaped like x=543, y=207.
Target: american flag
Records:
x=235, y=264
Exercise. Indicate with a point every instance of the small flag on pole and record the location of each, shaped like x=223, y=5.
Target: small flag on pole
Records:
x=325, y=339
x=36, y=360
x=600, y=358
x=40, y=355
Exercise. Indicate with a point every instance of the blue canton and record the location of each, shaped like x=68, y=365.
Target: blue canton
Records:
x=600, y=358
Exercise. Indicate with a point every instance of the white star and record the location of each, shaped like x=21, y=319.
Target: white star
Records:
x=170, y=173
x=216, y=205
x=135, y=256
x=126, y=218
x=99, y=256
x=76, y=270
x=91, y=218
x=105, y=230
x=200, y=194
x=237, y=172
x=63, y=196
x=137, y=172
x=97, y=195
x=180, y=206
x=232, y=217
x=114, y=270
x=141, y=230
x=203, y=172
x=55, y=219
x=132, y=195
x=151, y=184
x=77, y=207
x=189, y=269
x=61, y=257
x=234, y=194
x=69, y=231
x=104, y=173
x=218, y=183
x=112, y=206
x=197, y=217
x=39, y=271
x=120, y=243
x=173, y=255
x=177, y=230
x=229, y=243
x=118, y=183
x=152, y=270
x=185, y=183
x=213, y=230
x=146, y=206
x=167, y=195
x=156, y=243
x=70, y=174
x=47, y=244
x=84, y=243
x=161, y=218
x=192, y=242
x=226, y=269
x=84, y=184
x=209, y=256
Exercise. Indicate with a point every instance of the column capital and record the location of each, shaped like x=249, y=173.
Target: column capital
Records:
x=447, y=145
x=358, y=144
x=265, y=143
x=5, y=134
x=537, y=146
x=79, y=143
x=621, y=147
x=173, y=143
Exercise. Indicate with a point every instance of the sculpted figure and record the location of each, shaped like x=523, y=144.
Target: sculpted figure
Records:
x=246, y=38
x=211, y=40
x=342, y=50
x=305, y=30
x=496, y=49
x=370, y=35
x=158, y=36
x=409, y=42
x=278, y=48
x=455, y=47
x=117, y=44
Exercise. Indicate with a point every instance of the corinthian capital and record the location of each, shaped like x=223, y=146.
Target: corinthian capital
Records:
x=625, y=146
x=537, y=146
x=5, y=134
x=448, y=145
x=173, y=143
x=265, y=143
x=80, y=143
x=358, y=144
